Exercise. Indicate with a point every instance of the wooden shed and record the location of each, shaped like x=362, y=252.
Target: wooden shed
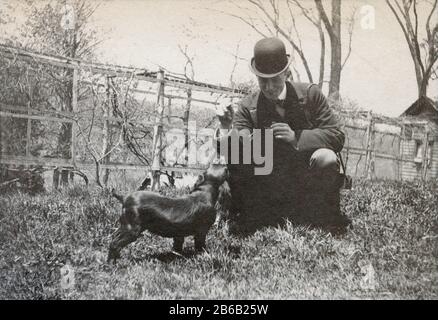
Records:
x=419, y=146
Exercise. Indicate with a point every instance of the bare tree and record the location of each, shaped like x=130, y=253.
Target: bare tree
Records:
x=236, y=59
x=278, y=18
x=189, y=74
x=264, y=17
x=316, y=21
x=91, y=146
x=424, y=52
x=62, y=29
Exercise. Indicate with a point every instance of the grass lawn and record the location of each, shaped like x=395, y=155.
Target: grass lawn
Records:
x=390, y=253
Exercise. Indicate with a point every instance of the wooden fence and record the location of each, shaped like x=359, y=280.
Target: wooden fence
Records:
x=380, y=147
x=161, y=80
x=376, y=146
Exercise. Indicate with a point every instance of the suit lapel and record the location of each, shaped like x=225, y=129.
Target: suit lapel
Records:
x=291, y=106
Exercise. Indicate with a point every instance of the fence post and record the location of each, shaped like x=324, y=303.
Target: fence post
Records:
x=425, y=152
x=169, y=110
x=401, y=151
x=106, y=132
x=157, y=140
x=186, y=126
x=29, y=130
x=74, y=106
x=369, y=138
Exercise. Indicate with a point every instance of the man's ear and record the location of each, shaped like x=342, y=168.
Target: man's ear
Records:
x=289, y=76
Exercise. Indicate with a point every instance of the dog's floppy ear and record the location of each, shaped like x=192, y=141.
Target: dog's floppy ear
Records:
x=224, y=197
x=199, y=181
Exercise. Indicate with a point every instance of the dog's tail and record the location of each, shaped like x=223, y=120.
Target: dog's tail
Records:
x=116, y=195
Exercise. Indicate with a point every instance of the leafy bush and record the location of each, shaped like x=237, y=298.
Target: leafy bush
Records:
x=25, y=180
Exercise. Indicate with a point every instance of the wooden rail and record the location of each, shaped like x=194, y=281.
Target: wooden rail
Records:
x=116, y=70
x=70, y=117
x=67, y=163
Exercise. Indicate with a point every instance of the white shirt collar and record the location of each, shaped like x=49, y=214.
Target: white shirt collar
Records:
x=282, y=95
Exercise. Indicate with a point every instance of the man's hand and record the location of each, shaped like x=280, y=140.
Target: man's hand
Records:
x=284, y=133
x=225, y=114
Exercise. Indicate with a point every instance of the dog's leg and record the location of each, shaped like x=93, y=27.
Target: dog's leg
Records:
x=122, y=237
x=178, y=244
x=200, y=241
x=219, y=220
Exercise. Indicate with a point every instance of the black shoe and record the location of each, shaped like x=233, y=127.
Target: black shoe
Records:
x=337, y=225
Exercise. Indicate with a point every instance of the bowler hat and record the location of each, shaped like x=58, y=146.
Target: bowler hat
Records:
x=270, y=58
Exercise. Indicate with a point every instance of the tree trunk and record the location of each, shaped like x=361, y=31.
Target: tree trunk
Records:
x=65, y=136
x=334, y=30
x=322, y=56
x=186, y=125
x=64, y=148
x=422, y=90
x=157, y=140
x=55, y=179
x=336, y=50
x=106, y=136
x=65, y=174
x=335, y=74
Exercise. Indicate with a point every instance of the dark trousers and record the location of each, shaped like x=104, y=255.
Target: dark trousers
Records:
x=302, y=187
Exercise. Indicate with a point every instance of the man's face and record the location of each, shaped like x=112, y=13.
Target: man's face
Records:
x=272, y=87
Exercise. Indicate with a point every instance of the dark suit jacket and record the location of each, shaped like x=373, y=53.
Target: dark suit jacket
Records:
x=307, y=113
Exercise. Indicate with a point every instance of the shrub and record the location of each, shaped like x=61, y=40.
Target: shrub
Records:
x=23, y=179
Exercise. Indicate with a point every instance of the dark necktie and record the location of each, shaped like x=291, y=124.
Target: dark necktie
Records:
x=279, y=107
x=279, y=103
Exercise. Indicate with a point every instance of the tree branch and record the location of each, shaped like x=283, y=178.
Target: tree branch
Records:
x=284, y=34
x=350, y=40
x=305, y=12
x=429, y=33
x=325, y=19
x=249, y=23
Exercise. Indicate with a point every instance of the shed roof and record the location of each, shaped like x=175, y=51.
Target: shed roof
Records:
x=423, y=106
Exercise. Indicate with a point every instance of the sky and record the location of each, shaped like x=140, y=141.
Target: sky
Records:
x=379, y=74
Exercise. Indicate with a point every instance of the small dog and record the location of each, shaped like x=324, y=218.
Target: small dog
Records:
x=176, y=218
